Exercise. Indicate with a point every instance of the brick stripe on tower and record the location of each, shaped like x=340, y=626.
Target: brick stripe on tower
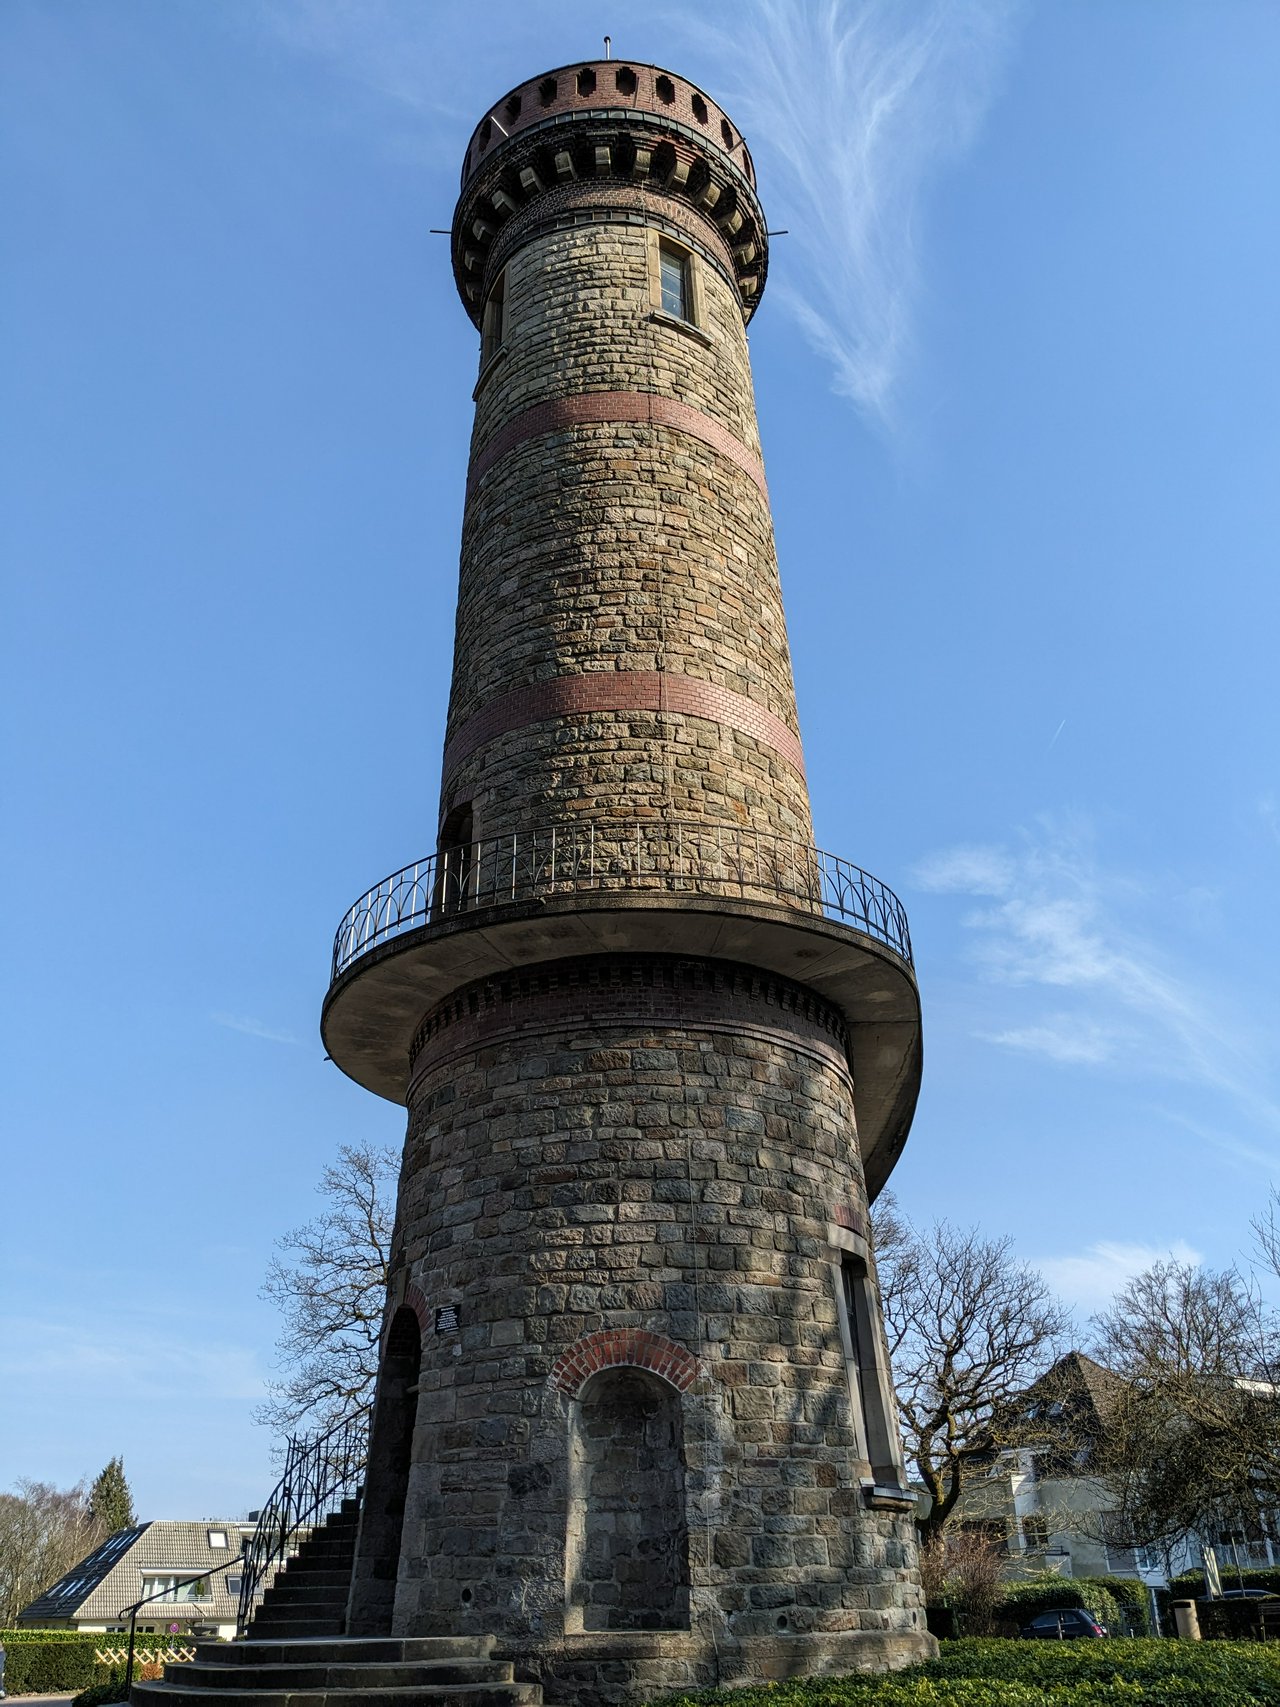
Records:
x=622, y=690
x=590, y=408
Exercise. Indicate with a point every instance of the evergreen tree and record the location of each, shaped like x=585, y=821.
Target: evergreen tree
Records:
x=110, y=1501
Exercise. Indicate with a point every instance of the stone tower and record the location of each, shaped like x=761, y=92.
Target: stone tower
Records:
x=634, y=1416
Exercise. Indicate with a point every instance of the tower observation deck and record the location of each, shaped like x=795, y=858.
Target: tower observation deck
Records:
x=634, y=1418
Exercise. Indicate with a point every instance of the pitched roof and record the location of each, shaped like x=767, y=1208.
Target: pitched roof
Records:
x=110, y=1579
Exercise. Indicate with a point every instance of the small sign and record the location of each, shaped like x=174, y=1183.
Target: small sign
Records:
x=447, y=1319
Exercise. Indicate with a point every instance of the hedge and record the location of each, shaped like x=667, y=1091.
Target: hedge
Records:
x=1190, y=1585
x=1120, y=1602
x=43, y=1662
x=995, y=1673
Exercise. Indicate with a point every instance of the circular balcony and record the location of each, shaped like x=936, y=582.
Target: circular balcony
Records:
x=653, y=886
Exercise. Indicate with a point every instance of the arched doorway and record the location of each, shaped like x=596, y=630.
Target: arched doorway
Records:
x=627, y=1541
x=373, y=1587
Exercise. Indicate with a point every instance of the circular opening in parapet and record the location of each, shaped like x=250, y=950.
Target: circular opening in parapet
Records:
x=466, y=1597
x=782, y=1621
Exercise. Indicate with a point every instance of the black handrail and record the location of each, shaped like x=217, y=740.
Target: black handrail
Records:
x=318, y=1474
x=160, y=1594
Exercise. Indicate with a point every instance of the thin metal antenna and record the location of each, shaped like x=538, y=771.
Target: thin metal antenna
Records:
x=438, y=231
x=608, y=47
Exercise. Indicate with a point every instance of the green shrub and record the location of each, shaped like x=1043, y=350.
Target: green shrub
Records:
x=43, y=1662
x=101, y=1694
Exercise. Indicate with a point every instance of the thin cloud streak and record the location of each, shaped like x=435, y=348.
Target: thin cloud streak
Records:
x=853, y=105
x=1050, y=919
x=1091, y=1279
x=253, y=1028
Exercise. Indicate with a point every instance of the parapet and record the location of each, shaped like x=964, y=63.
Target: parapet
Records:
x=564, y=145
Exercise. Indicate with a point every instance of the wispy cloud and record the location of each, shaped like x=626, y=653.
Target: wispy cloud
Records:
x=1067, y=1038
x=1094, y=987
x=252, y=1028
x=1090, y=1280
x=854, y=105
x=140, y=1353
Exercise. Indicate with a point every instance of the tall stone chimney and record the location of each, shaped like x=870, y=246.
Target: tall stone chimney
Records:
x=634, y=1418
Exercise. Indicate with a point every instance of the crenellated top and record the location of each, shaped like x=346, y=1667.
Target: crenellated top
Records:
x=544, y=147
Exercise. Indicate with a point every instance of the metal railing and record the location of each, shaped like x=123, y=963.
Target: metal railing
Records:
x=659, y=855
x=168, y=1593
x=319, y=1473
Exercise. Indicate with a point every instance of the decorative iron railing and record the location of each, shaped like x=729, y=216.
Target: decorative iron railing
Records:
x=654, y=856
x=319, y=1473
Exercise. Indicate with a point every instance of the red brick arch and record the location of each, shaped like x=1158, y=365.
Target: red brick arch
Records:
x=414, y=1300
x=623, y=1347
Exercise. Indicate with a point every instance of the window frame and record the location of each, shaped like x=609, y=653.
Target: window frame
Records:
x=493, y=320
x=871, y=1402
x=662, y=244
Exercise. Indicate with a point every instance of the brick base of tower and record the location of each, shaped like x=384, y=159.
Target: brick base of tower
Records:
x=636, y=1459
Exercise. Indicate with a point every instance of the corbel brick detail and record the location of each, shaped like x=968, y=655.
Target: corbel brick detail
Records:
x=621, y=690
x=629, y=1348
x=591, y=408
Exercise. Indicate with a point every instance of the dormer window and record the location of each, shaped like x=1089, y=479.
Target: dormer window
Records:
x=217, y=1538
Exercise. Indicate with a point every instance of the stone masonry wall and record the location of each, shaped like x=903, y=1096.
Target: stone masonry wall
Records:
x=647, y=1146
x=617, y=547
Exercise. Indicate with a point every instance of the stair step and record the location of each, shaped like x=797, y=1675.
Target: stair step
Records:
x=327, y=1675
x=168, y=1694
x=294, y=1593
x=344, y=1650
x=314, y=1574
x=302, y=1629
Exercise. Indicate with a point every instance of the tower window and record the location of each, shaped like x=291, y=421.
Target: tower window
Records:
x=673, y=271
x=493, y=328
x=586, y=81
x=869, y=1386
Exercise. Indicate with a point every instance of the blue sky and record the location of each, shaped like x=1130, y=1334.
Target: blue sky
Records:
x=1017, y=378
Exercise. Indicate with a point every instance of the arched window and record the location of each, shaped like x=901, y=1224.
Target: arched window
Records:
x=455, y=855
x=627, y=1541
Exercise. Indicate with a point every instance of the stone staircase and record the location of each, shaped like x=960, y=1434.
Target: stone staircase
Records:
x=381, y=1671
x=309, y=1596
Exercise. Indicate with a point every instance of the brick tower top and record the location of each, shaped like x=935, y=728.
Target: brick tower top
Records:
x=590, y=128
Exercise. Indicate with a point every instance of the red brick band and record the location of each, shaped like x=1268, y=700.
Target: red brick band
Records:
x=622, y=690
x=589, y=407
x=627, y=1347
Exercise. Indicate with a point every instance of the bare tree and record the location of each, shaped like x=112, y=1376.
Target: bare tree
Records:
x=970, y=1329
x=1194, y=1433
x=330, y=1283
x=44, y=1531
x=1266, y=1233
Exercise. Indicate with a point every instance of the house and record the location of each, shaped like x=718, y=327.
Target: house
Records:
x=151, y=1558
x=1051, y=1510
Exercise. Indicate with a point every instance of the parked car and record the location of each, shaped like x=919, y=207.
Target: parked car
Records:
x=1246, y=1594
x=1064, y=1624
